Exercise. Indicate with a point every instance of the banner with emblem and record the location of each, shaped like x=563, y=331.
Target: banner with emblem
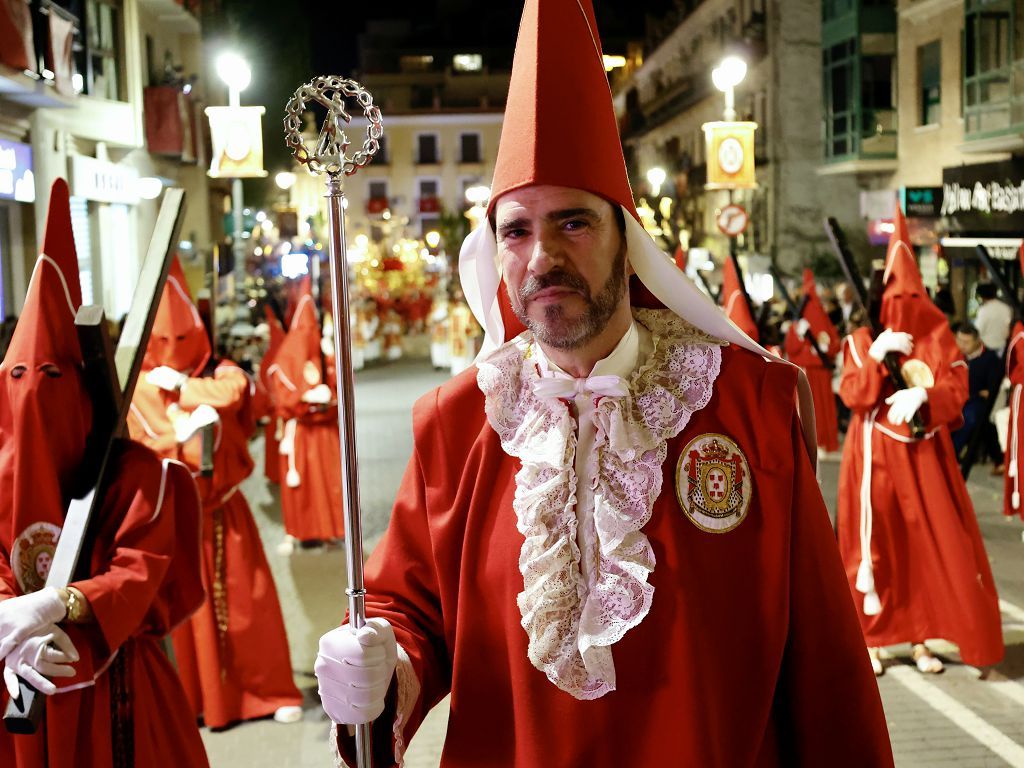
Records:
x=237, y=137
x=730, y=153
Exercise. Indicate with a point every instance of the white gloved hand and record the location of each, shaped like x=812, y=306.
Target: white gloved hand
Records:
x=23, y=615
x=905, y=403
x=35, y=659
x=318, y=395
x=891, y=341
x=203, y=416
x=803, y=325
x=354, y=669
x=166, y=378
x=327, y=346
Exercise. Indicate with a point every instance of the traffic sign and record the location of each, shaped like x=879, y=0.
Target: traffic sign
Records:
x=732, y=220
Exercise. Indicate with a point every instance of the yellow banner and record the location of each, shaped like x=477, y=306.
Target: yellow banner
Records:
x=730, y=154
x=237, y=139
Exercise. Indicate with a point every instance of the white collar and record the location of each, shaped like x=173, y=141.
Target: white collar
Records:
x=621, y=361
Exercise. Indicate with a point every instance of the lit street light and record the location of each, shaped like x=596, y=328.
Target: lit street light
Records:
x=236, y=74
x=285, y=180
x=433, y=238
x=656, y=177
x=726, y=76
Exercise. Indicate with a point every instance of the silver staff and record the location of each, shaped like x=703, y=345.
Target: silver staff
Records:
x=329, y=158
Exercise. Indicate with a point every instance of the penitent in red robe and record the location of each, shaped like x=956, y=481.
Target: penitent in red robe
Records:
x=233, y=654
x=311, y=486
x=727, y=669
x=125, y=705
x=271, y=438
x=909, y=526
x=1013, y=491
x=800, y=352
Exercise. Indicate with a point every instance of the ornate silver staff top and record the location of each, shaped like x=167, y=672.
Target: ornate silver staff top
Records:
x=329, y=159
x=330, y=154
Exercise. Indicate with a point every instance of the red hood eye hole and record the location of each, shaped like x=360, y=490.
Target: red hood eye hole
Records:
x=18, y=371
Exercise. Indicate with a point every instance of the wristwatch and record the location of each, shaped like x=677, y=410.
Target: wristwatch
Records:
x=74, y=603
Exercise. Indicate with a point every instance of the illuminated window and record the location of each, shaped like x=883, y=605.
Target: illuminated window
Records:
x=468, y=62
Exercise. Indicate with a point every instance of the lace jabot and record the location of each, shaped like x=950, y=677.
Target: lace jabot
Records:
x=571, y=625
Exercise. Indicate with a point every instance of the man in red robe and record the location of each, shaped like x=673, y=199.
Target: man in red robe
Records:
x=306, y=402
x=114, y=698
x=609, y=545
x=814, y=323
x=1012, y=496
x=233, y=654
x=907, y=532
x=273, y=426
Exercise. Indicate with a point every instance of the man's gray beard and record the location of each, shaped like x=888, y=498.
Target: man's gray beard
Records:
x=556, y=330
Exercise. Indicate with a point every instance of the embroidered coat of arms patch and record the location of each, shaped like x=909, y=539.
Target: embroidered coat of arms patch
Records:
x=713, y=483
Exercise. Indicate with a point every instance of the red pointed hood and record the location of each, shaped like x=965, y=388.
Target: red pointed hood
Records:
x=560, y=127
x=734, y=301
x=45, y=413
x=299, y=354
x=680, y=258
x=179, y=338
x=815, y=314
x=906, y=305
x=277, y=337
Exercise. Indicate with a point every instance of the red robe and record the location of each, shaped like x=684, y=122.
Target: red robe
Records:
x=233, y=654
x=271, y=456
x=311, y=504
x=1013, y=483
x=727, y=670
x=125, y=700
x=146, y=582
x=914, y=534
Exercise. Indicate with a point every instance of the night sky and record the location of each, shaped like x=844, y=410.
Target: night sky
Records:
x=288, y=49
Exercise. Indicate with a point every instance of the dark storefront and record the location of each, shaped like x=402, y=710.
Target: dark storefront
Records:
x=981, y=204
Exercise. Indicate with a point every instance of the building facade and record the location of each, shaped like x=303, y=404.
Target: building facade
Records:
x=923, y=105
x=664, y=98
x=120, y=117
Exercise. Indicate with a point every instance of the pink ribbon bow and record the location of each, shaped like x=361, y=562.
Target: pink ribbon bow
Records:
x=567, y=388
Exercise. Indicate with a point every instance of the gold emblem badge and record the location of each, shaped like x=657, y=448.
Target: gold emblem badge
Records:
x=713, y=483
x=32, y=555
x=917, y=374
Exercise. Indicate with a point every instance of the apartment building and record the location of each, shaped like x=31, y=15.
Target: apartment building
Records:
x=665, y=95
x=119, y=115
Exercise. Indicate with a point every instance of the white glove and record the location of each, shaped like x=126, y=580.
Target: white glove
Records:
x=23, y=615
x=891, y=341
x=166, y=378
x=354, y=669
x=803, y=325
x=35, y=658
x=327, y=346
x=203, y=416
x=318, y=395
x=905, y=403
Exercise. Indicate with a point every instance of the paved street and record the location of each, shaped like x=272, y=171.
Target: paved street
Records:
x=950, y=720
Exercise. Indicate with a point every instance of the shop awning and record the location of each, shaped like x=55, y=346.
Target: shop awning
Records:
x=1007, y=248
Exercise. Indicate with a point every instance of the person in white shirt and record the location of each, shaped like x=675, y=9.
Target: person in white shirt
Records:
x=993, y=319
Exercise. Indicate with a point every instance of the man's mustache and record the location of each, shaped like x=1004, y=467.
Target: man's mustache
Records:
x=554, y=279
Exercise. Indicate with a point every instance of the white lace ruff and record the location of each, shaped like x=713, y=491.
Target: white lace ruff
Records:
x=571, y=625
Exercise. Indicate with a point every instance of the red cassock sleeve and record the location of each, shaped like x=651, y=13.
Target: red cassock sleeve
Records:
x=287, y=395
x=225, y=390
x=947, y=397
x=134, y=548
x=860, y=385
x=408, y=598
x=825, y=681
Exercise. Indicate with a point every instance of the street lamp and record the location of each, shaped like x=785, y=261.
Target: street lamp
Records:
x=285, y=180
x=726, y=76
x=433, y=238
x=656, y=177
x=235, y=72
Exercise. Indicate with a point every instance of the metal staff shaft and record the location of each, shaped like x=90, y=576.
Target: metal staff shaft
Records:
x=356, y=590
